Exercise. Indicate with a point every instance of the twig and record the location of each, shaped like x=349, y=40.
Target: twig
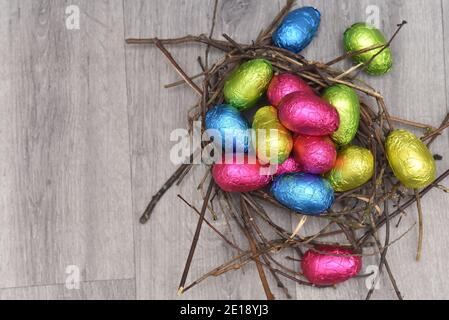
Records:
x=403, y=23
x=438, y=131
x=222, y=45
x=195, y=239
x=181, y=72
x=420, y=225
x=253, y=246
x=410, y=123
x=269, y=30
x=158, y=196
x=211, y=33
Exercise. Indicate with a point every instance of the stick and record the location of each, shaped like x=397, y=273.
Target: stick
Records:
x=181, y=72
x=420, y=225
x=403, y=23
x=253, y=246
x=195, y=239
x=158, y=196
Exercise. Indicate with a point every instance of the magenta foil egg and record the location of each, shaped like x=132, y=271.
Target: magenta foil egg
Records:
x=241, y=177
x=289, y=166
x=308, y=114
x=316, y=155
x=329, y=265
x=283, y=84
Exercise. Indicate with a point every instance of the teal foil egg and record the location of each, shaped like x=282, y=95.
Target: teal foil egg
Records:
x=304, y=193
x=232, y=127
x=297, y=29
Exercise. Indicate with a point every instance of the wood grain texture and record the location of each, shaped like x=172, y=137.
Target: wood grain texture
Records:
x=65, y=177
x=162, y=245
x=97, y=290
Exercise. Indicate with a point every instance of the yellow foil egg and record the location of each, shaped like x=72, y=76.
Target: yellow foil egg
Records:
x=410, y=159
x=247, y=83
x=353, y=168
x=272, y=140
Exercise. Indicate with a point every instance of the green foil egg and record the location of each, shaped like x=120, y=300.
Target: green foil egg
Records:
x=410, y=159
x=272, y=140
x=360, y=36
x=347, y=103
x=247, y=83
x=353, y=168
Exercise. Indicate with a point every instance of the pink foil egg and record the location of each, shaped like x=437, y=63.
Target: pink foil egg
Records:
x=329, y=265
x=283, y=84
x=308, y=114
x=316, y=155
x=241, y=177
x=289, y=166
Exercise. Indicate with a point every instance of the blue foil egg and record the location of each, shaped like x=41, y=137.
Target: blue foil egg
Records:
x=232, y=127
x=304, y=193
x=297, y=29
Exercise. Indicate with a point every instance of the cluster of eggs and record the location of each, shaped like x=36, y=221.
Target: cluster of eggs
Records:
x=308, y=137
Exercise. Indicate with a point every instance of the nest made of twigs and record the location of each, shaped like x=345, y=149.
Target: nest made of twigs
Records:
x=358, y=215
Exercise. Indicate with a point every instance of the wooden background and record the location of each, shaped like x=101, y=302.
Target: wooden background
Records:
x=84, y=143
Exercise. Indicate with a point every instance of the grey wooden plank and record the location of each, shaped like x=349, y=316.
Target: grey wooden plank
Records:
x=163, y=244
x=413, y=90
x=65, y=178
x=96, y=290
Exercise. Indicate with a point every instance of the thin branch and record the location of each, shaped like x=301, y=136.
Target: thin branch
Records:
x=195, y=238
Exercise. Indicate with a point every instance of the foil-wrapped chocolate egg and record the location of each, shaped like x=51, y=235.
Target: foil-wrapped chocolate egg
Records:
x=316, y=155
x=247, y=83
x=272, y=141
x=289, y=166
x=247, y=176
x=347, y=103
x=329, y=265
x=308, y=114
x=353, y=168
x=297, y=29
x=410, y=159
x=284, y=84
x=230, y=124
x=361, y=36
x=303, y=192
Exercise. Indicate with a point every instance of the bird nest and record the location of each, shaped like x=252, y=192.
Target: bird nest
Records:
x=359, y=215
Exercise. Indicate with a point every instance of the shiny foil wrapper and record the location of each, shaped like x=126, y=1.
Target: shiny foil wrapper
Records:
x=304, y=193
x=297, y=29
x=361, y=36
x=247, y=83
x=289, y=166
x=329, y=265
x=273, y=142
x=231, y=125
x=283, y=84
x=308, y=114
x=347, y=103
x=316, y=155
x=353, y=168
x=240, y=177
x=410, y=159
